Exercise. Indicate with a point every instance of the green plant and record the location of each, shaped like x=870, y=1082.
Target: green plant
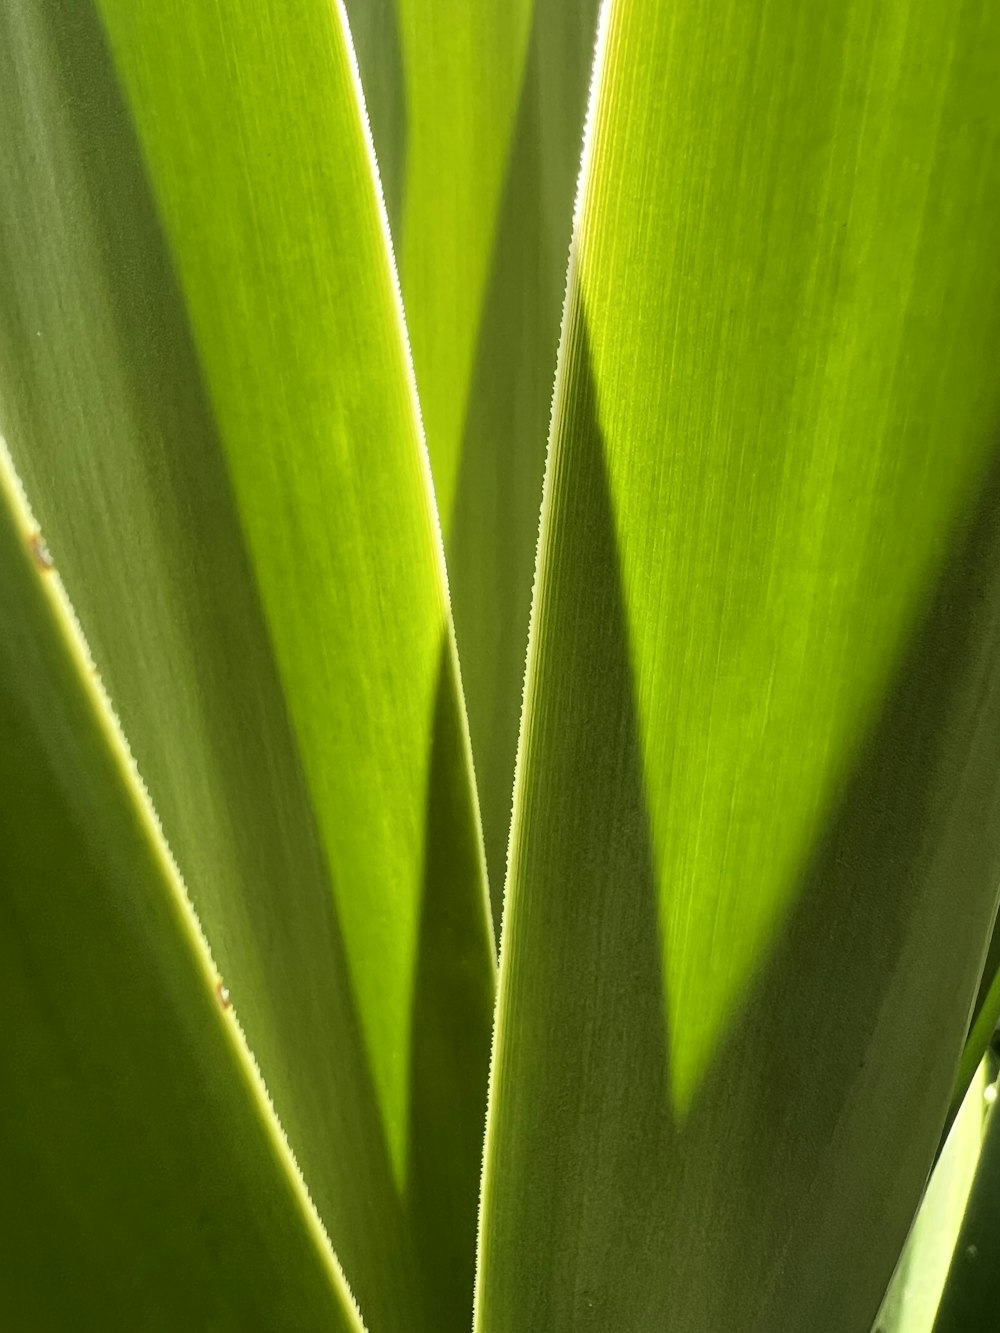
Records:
x=753, y=857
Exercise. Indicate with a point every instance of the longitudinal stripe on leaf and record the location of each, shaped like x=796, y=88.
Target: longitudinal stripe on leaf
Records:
x=206, y=385
x=137, y=1135
x=757, y=775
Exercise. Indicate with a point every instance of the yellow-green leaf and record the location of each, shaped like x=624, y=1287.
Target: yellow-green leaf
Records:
x=969, y=1300
x=486, y=166
x=911, y=1303
x=146, y=1182
x=755, y=848
x=462, y=66
x=205, y=385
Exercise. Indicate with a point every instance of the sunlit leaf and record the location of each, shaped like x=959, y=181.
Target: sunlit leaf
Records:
x=146, y=1182
x=755, y=848
x=205, y=386
x=911, y=1303
x=970, y=1299
x=487, y=176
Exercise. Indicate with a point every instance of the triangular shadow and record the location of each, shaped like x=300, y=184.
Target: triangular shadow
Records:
x=287, y=978
x=578, y=1062
x=782, y=1198
x=451, y=1023
x=831, y=1086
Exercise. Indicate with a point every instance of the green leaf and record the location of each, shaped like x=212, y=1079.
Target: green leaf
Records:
x=982, y=1026
x=206, y=389
x=970, y=1297
x=490, y=173
x=494, y=527
x=755, y=849
x=912, y=1300
x=445, y=80
x=135, y=1134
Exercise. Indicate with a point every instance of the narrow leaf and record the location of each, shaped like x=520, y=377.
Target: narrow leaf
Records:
x=478, y=131
x=983, y=1025
x=911, y=1303
x=756, y=842
x=446, y=81
x=204, y=380
x=146, y=1181
x=971, y=1297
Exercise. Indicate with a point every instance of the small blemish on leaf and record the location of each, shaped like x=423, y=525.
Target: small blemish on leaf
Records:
x=40, y=552
x=222, y=992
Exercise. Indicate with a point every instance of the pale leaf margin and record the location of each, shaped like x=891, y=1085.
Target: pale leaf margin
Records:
x=505, y=981
x=15, y=500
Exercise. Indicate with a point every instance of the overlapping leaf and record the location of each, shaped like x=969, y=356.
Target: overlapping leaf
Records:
x=146, y=1181
x=479, y=184
x=205, y=386
x=911, y=1303
x=755, y=856
x=969, y=1300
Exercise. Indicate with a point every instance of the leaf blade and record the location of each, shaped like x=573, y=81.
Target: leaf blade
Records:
x=969, y=1297
x=113, y=424
x=167, y=1179
x=678, y=1160
x=479, y=186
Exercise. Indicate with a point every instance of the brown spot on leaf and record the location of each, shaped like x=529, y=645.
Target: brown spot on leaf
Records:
x=40, y=552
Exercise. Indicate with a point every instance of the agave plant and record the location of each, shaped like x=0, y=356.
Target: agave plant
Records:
x=260, y=835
